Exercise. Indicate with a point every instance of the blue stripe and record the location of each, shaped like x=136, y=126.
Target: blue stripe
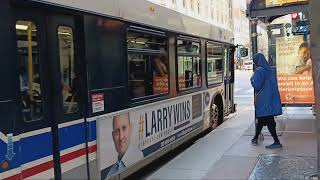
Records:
x=71, y=136
x=14, y=163
x=39, y=146
x=36, y=147
x=92, y=131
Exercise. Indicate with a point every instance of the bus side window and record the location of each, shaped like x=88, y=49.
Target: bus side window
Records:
x=148, y=65
x=214, y=63
x=29, y=71
x=189, y=64
x=67, y=67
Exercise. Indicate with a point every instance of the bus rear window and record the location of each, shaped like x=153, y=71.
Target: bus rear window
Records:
x=29, y=70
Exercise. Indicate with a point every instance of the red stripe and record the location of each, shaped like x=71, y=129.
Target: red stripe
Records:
x=72, y=155
x=92, y=149
x=77, y=153
x=49, y=165
x=37, y=169
x=14, y=177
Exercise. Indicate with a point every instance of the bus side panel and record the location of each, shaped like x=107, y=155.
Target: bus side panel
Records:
x=106, y=60
x=9, y=144
x=106, y=57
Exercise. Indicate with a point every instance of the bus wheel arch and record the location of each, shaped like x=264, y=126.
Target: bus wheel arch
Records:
x=216, y=111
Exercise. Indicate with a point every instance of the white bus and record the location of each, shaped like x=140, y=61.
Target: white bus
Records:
x=98, y=89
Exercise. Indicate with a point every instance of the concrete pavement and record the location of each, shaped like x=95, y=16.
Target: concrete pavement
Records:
x=226, y=153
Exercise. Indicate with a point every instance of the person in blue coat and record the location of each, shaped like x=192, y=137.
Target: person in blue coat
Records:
x=267, y=99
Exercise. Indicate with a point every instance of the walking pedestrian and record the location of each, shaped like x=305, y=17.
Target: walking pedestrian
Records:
x=267, y=99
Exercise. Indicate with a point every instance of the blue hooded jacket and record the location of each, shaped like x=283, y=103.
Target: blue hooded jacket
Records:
x=265, y=85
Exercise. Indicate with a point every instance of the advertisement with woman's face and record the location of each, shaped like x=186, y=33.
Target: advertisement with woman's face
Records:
x=294, y=70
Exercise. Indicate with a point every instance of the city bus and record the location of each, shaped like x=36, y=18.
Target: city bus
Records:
x=98, y=89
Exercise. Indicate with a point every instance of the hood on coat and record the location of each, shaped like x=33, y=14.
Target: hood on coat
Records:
x=260, y=60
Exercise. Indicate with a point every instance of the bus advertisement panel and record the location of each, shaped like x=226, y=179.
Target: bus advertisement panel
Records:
x=127, y=137
x=294, y=70
x=272, y=3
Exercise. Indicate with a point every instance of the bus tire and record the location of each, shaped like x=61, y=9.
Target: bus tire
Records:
x=216, y=112
x=214, y=116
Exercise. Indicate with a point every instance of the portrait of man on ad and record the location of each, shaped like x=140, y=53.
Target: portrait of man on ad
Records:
x=121, y=134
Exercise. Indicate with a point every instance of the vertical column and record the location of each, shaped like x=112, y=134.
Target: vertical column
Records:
x=314, y=6
x=254, y=36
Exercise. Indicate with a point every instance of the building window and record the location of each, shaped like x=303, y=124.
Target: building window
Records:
x=212, y=13
x=29, y=71
x=148, y=64
x=189, y=64
x=214, y=63
x=192, y=5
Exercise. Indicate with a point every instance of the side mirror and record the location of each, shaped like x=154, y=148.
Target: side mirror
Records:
x=244, y=52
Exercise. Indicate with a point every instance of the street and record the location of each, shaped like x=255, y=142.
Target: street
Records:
x=243, y=91
x=243, y=88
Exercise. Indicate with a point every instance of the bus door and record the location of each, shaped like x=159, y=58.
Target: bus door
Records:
x=226, y=81
x=63, y=39
x=50, y=122
x=229, y=80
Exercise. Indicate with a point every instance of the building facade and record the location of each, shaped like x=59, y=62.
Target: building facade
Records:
x=241, y=23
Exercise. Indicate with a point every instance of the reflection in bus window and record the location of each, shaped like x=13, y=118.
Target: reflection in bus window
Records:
x=189, y=65
x=148, y=75
x=148, y=65
x=143, y=41
x=214, y=63
x=29, y=71
x=69, y=77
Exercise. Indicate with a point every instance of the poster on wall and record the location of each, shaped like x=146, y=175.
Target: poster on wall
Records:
x=127, y=137
x=294, y=70
x=272, y=3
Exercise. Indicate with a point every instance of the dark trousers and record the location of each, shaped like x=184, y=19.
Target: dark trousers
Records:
x=270, y=123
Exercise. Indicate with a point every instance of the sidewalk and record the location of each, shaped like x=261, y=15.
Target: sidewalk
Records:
x=227, y=153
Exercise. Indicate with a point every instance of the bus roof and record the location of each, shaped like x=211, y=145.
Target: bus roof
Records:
x=145, y=12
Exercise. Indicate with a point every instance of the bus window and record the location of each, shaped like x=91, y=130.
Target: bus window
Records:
x=148, y=65
x=214, y=63
x=189, y=64
x=67, y=68
x=29, y=71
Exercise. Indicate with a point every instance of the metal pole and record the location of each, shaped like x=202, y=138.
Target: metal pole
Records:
x=254, y=36
x=254, y=46
x=30, y=60
x=314, y=6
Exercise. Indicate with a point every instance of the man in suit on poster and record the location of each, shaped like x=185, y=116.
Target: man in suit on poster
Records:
x=121, y=134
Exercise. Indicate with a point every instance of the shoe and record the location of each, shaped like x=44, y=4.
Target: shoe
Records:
x=254, y=142
x=274, y=146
